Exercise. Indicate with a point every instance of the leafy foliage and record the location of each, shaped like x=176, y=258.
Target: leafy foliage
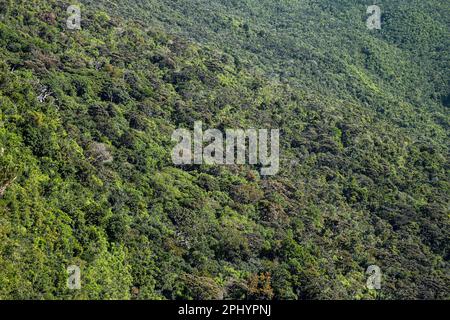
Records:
x=86, y=176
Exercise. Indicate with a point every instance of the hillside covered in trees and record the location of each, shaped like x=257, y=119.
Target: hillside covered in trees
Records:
x=86, y=176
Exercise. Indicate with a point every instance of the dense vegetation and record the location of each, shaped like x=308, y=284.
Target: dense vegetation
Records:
x=86, y=176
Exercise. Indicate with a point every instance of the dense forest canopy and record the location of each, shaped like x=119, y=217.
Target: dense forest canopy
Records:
x=86, y=176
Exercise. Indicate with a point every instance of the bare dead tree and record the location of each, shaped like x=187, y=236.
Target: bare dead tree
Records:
x=45, y=93
x=99, y=152
x=6, y=185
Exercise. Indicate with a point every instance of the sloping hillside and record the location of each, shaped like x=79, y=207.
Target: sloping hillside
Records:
x=86, y=175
